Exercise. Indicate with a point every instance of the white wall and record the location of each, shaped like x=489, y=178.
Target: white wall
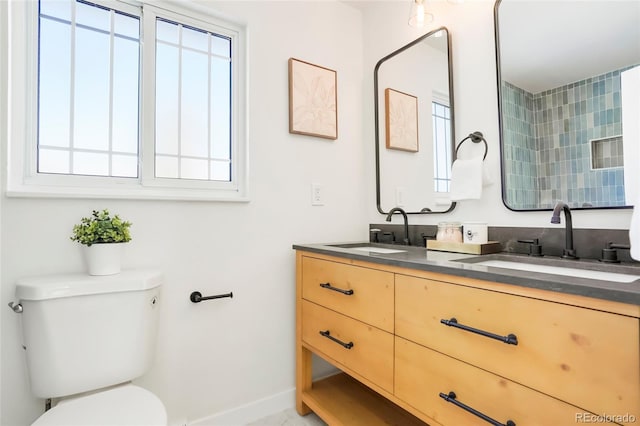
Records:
x=630, y=98
x=3, y=127
x=218, y=355
x=476, y=107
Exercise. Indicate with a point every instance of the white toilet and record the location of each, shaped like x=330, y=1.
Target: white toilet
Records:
x=85, y=338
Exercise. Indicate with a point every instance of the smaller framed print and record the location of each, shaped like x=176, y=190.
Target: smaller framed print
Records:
x=401, y=120
x=313, y=100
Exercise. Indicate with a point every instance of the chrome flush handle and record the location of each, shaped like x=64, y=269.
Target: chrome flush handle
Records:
x=17, y=308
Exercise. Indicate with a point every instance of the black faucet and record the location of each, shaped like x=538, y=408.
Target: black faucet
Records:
x=568, y=252
x=610, y=252
x=535, y=249
x=405, y=240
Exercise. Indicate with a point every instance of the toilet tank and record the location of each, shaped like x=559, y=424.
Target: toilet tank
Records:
x=83, y=333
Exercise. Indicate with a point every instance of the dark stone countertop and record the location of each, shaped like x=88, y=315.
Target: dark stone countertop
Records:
x=464, y=265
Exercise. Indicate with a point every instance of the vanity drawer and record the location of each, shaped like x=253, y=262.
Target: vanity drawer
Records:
x=557, y=345
x=370, y=297
x=422, y=374
x=371, y=355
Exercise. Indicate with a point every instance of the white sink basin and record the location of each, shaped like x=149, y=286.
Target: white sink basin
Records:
x=369, y=247
x=380, y=250
x=561, y=270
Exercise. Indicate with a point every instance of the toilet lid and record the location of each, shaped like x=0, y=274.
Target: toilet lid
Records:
x=126, y=405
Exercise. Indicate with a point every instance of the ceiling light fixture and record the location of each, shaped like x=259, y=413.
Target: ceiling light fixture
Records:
x=418, y=17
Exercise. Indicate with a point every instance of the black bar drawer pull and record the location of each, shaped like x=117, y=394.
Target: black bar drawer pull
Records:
x=328, y=335
x=339, y=290
x=451, y=397
x=510, y=339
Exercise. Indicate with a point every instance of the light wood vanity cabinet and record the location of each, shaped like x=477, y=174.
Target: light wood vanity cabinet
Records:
x=362, y=348
x=427, y=343
x=423, y=374
x=362, y=293
x=558, y=347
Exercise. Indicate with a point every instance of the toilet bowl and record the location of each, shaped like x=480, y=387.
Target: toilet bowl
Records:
x=124, y=405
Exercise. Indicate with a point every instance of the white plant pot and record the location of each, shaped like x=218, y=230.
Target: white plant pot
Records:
x=104, y=259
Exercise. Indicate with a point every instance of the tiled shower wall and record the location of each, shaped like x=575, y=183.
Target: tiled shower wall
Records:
x=548, y=147
x=520, y=148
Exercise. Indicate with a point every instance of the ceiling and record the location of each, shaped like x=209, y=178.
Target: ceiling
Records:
x=550, y=43
x=547, y=44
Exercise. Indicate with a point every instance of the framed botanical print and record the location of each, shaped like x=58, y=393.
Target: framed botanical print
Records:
x=313, y=102
x=401, y=120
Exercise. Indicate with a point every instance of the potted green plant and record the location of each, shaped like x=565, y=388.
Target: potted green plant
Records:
x=102, y=235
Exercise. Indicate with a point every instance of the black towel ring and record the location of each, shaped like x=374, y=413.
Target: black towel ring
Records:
x=476, y=137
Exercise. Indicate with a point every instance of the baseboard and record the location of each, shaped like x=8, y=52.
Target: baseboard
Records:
x=250, y=412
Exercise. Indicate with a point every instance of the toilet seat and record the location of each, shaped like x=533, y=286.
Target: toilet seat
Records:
x=125, y=405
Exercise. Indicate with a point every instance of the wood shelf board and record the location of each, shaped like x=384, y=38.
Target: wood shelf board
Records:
x=342, y=400
x=467, y=248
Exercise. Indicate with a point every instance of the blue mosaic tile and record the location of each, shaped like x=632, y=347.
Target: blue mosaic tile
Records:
x=551, y=133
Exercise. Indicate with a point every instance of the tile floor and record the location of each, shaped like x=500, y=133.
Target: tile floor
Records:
x=289, y=418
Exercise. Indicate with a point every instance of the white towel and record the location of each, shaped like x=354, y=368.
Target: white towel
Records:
x=634, y=231
x=466, y=179
x=487, y=176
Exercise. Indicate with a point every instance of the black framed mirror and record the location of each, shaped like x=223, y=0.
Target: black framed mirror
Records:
x=568, y=124
x=414, y=126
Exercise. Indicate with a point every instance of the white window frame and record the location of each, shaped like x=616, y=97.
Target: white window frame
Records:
x=442, y=99
x=22, y=179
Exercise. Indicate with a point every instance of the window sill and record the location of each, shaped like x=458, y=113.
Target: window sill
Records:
x=126, y=193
